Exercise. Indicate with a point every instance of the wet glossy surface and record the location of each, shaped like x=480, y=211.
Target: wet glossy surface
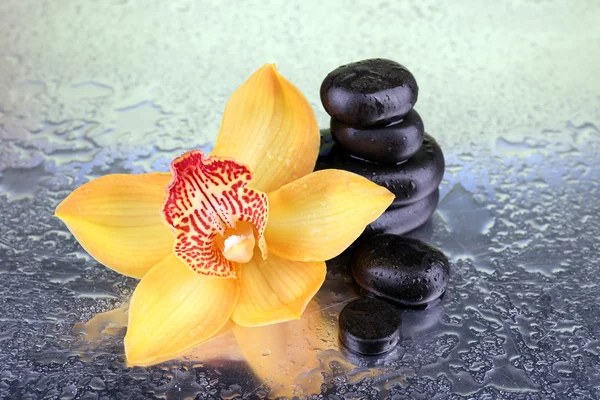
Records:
x=121, y=86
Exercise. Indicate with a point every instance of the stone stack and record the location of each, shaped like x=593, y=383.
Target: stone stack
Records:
x=379, y=135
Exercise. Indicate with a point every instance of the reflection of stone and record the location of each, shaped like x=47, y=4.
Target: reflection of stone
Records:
x=468, y=223
x=415, y=324
x=419, y=322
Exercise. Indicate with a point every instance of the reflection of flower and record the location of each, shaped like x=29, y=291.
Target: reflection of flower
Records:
x=195, y=247
x=284, y=356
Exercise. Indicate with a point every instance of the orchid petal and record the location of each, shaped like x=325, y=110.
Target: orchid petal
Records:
x=208, y=198
x=173, y=309
x=116, y=219
x=275, y=289
x=269, y=125
x=318, y=216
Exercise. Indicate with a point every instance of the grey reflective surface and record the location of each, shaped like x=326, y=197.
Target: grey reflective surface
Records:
x=509, y=89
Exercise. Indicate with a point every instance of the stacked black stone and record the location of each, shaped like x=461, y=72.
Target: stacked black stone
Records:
x=379, y=135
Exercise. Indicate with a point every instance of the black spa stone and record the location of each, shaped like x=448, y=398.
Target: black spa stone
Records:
x=399, y=220
x=390, y=144
x=410, y=181
x=406, y=271
x=369, y=326
x=369, y=93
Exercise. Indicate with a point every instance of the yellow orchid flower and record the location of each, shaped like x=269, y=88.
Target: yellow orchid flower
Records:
x=239, y=235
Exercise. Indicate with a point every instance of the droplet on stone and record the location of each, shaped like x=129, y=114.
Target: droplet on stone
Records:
x=390, y=144
x=400, y=269
x=369, y=93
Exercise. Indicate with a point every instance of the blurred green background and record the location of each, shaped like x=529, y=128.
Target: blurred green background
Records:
x=484, y=68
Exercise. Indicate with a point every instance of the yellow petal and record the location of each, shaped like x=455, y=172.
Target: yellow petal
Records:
x=275, y=289
x=116, y=218
x=269, y=125
x=318, y=216
x=105, y=326
x=173, y=309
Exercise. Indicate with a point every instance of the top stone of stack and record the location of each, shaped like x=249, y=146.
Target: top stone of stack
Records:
x=369, y=93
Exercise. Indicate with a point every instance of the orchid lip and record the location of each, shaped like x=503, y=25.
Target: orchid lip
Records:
x=215, y=216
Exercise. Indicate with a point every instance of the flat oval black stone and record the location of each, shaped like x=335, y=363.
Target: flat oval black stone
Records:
x=369, y=326
x=388, y=144
x=403, y=270
x=410, y=181
x=399, y=220
x=369, y=93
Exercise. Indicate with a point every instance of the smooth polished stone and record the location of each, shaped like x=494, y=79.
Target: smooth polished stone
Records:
x=390, y=144
x=369, y=93
x=410, y=181
x=405, y=271
x=369, y=326
x=399, y=220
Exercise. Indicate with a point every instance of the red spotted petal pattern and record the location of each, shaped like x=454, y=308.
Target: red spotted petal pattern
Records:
x=206, y=196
